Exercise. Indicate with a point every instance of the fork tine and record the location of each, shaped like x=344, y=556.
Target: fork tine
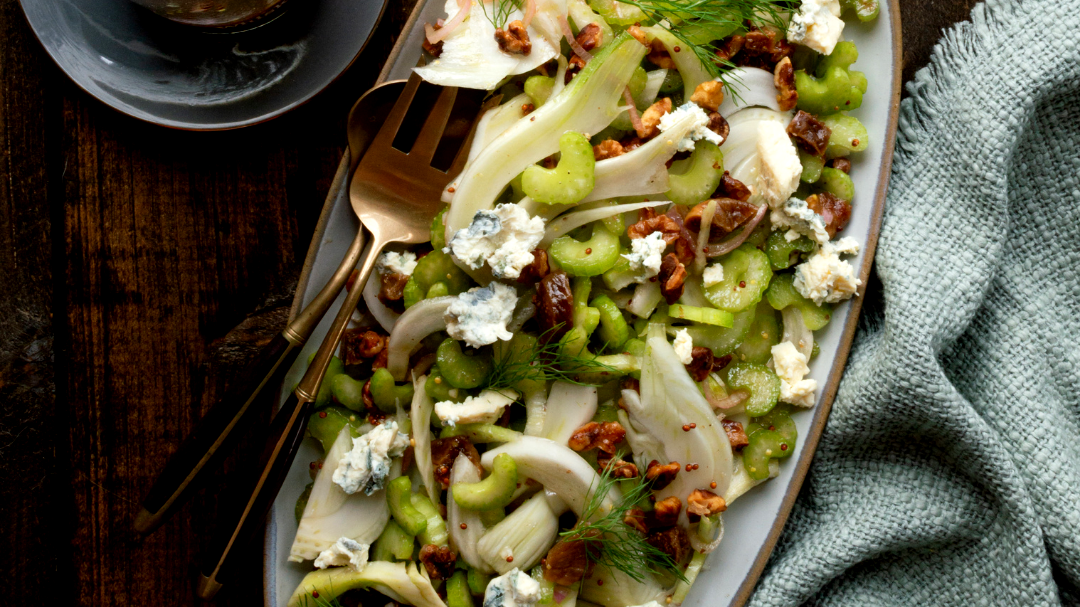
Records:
x=434, y=125
x=385, y=137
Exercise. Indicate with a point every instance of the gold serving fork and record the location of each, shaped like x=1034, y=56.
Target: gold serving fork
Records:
x=396, y=195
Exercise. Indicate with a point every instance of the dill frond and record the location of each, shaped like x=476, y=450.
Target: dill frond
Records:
x=546, y=360
x=614, y=544
x=500, y=11
x=694, y=16
x=310, y=601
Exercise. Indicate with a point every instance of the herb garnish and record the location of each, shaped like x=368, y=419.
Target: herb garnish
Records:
x=545, y=360
x=500, y=11
x=610, y=541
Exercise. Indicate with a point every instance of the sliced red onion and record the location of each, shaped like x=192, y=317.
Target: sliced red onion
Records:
x=530, y=12
x=675, y=215
x=635, y=119
x=419, y=321
x=569, y=34
x=436, y=35
x=729, y=245
x=560, y=593
x=386, y=317
x=707, y=215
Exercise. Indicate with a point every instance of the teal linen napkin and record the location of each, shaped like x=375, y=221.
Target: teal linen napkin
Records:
x=949, y=471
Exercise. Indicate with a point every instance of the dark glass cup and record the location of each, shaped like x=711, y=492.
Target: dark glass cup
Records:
x=218, y=14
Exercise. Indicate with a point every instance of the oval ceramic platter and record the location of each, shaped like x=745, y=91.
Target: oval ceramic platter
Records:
x=753, y=524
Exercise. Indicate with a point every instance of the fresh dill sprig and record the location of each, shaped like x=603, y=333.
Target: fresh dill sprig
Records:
x=311, y=601
x=500, y=11
x=545, y=361
x=610, y=542
x=694, y=18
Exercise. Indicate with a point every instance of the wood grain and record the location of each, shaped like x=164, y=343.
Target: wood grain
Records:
x=141, y=265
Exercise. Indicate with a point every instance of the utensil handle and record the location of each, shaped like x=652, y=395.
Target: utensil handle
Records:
x=287, y=432
x=214, y=435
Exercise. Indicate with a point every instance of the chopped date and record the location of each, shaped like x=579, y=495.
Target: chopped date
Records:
x=835, y=211
x=702, y=363
x=672, y=276
x=444, y=452
x=810, y=133
x=554, y=305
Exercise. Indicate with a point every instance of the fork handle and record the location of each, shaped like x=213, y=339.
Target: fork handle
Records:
x=215, y=435
x=287, y=432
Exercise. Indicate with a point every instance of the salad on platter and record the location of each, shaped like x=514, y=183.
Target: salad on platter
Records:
x=555, y=400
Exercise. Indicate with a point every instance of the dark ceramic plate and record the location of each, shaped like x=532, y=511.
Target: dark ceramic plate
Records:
x=188, y=78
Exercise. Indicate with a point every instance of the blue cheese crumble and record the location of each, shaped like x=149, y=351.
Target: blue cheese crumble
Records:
x=504, y=239
x=780, y=166
x=795, y=215
x=713, y=274
x=646, y=255
x=392, y=262
x=684, y=347
x=479, y=316
x=817, y=25
x=483, y=409
x=344, y=553
x=824, y=277
x=791, y=368
x=514, y=589
x=699, y=129
x=366, y=466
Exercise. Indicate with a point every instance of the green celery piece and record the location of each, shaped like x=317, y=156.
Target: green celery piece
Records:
x=746, y=276
x=325, y=395
x=722, y=340
x=865, y=10
x=772, y=436
x=493, y=492
x=325, y=424
x=399, y=499
x=459, y=369
x=848, y=135
x=708, y=316
x=301, y=502
x=763, y=335
x=435, y=532
x=435, y=267
x=387, y=395
x=457, y=590
x=393, y=544
x=347, y=391
x=592, y=257
x=782, y=293
x=760, y=381
x=694, y=179
x=811, y=166
x=833, y=87
x=781, y=252
x=580, y=288
x=618, y=13
x=572, y=178
x=837, y=183
x=478, y=582
x=589, y=103
x=539, y=88
x=481, y=433
x=613, y=328
x=438, y=230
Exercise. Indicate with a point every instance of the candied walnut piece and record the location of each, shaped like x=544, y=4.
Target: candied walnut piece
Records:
x=536, y=270
x=709, y=95
x=357, y=345
x=661, y=475
x=672, y=276
x=835, y=211
x=631, y=143
x=635, y=518
x=619, y=468
x=590, y=36
x=733, y=188
x=380, y=359
x=840, y=164
x=650, y=118
x=514, y=40
x=554, y=305
x=638, y=34
x=672, y=541
x=704, y=503
x=666, y=511
x=730, y=214
x=810, y=133
x=445, y=450
x=784, y=79
x=608, y=148
x=659, y=55
x=729, y=47
x=570, y=560
x=719, y=125
x=651, y=222
x=736, y=435
x=438, y=560
x=596, y=435
x=702, y=363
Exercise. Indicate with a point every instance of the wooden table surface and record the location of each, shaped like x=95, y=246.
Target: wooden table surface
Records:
x=141, y=266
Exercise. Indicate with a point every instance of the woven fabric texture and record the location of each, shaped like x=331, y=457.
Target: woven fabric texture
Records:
x=949, y=470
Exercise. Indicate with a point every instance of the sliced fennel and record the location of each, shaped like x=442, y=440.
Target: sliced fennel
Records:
x=556, y=467
x=493, y=123
x=400, y=581
x=521, y=539
x=671, y=400
x=421, y=320
x=564, y=224
x=589, y=103
x=752, y=87
x=690, y=68
x=613, y=588
x=741, y=481
x=465, y=526
x=331, y=514
x=420, y=414
x=569, y=406
x=471, y=57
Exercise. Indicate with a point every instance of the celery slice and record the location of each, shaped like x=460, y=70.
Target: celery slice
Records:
x=708, y=316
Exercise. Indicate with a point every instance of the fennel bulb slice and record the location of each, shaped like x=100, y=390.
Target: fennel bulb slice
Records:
x=471, y=57
x=526, y=535
x=752, y=87
x=613, y=588
x=535, y=410
x=557, y=467
x=399, y=581
x=742, y=157
x=493, y=123
x=588, y=104
x=331, y=514
x=420, y=414
x=669, y=400
x=464, y=540
x=569, y=407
